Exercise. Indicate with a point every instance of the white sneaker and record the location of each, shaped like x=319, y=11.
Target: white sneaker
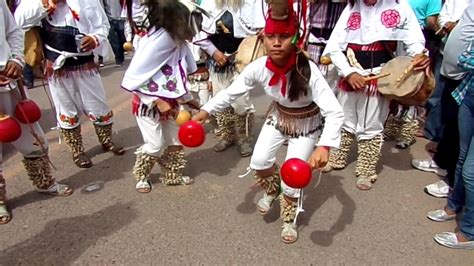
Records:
x=439, y=189
x=428, y=166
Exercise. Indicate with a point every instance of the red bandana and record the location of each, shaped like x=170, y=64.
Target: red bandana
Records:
x=287, y=26
x=280, y=72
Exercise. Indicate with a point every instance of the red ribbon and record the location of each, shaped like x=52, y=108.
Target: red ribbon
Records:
x=280, y=72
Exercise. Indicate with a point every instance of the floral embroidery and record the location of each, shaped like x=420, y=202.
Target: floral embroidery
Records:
x=390, y=18
x=152, y=86
x=167, y=70
x=170, y=85
x=353, y=23
x=71, y=120
x=101, y=119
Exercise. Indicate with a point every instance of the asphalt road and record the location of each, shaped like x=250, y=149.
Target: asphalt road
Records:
x=214, y=221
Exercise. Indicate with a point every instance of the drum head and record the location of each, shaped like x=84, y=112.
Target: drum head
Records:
x=391, y=86
x=249, y=49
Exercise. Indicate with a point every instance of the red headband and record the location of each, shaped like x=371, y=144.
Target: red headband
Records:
x=287, y=26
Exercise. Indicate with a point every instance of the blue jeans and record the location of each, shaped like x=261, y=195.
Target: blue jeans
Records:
x=462, y=196
x=433, y=125
x=117, y=39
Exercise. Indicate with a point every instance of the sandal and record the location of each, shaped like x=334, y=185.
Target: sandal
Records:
x=265, y=203
x=5, y=216
x=364, y=183
x=401, y=145
x=82, y=160
x=143, y=186
x=289, y=234
x=57, y=189
x=115, y=148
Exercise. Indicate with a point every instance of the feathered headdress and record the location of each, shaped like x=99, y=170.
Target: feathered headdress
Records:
x=283, y=19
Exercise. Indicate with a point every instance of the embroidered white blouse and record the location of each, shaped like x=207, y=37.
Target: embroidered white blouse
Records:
x=256, y=75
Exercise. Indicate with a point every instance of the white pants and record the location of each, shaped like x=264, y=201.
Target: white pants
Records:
x=364, y=115
x=156, y=134
x=200, y=91
x=27, y=145
x=269, y=142
x=221, y=81
x=81, y=91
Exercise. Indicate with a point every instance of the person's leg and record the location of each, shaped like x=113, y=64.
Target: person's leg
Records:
x=93, y=96
x=300, y=148
x=29, y=76
x=466, y=128
x=173, y=161
x=263, y=161
x=433, y=126
x=115, y=39
x=448, y=146
x=462, y=196
x=147, y=154
x=68, y=105
x=372, y=113
x=338, y=157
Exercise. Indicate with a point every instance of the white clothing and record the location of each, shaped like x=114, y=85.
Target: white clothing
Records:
x=156, y=134
x=387, y=20
x=11, y=40
x=244, y=17
x=221, y=81
x=92, y=19
x=269, y=142
x=200, y=91
x=365, y=115
x=160, y=61
x=257, y=75
x=79, y=93
x=458, y=41
x=452, y=11
x=27, y=145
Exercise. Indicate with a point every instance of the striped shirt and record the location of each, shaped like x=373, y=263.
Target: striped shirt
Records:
x=466, y=62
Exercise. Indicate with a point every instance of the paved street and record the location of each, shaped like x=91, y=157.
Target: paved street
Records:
x=214, y=221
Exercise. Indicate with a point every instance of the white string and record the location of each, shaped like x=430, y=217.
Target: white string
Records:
x=299, y=207
x=248, y=170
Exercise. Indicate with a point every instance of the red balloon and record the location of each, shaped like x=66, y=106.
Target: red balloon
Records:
x=192, y=134
x=27, y=112
x=296, y=173
x=10, y=129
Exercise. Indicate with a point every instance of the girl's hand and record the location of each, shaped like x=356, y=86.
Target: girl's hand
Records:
x=201, y=116
x=319, y=158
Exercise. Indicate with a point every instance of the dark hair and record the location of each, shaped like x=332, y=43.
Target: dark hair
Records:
x=299, y=77
x=172, y=16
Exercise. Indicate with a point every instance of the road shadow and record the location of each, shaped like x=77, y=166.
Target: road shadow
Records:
x=62, y=241
x=397, y=159
x=330, y=186
x=107, y=170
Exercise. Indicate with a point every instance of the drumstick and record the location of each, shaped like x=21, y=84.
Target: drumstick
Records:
x=221, y=25
x=405, y=73
x=377, y=77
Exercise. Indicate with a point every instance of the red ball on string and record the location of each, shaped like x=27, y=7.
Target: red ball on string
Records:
x=10, y=129
x=192, y=134
x=296, y=173
x=27, y=111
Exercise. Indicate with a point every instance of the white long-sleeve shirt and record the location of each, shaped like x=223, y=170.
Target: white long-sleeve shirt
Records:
x=11, y=39
x=256, y=75
x=452, y=11
x=92, y=19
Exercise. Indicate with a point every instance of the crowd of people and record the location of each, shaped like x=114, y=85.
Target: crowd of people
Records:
x=321, y=69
